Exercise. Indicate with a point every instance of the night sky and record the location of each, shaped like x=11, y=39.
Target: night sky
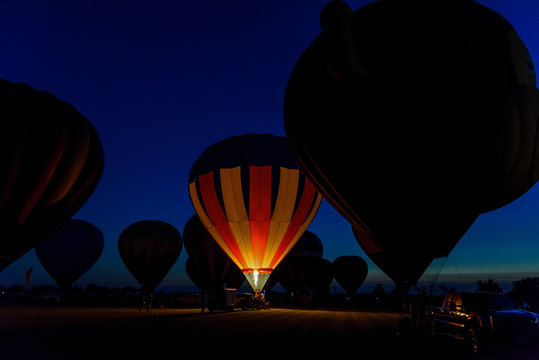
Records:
x=162, y=80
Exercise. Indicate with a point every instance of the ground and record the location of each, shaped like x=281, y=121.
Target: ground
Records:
x=279, y=333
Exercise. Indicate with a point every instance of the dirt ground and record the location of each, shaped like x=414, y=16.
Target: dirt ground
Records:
x=279, y=333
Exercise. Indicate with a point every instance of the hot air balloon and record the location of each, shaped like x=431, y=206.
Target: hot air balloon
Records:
x=298, y=273
x=51, y=160
x=398, y=266
x=69, y=252
x=308, y=245
x=253, y=200
x=412, y=125
x=200, y=278
x=321, y=276
x=208, y=257
x=350, y=272
x=148, y=249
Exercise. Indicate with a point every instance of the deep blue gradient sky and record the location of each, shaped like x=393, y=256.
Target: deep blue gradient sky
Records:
x=163, y=80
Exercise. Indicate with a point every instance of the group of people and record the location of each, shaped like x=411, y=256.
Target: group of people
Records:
x=147, y=299
x=261, y=302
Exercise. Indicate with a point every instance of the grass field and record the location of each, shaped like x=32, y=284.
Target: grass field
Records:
x=279, y=333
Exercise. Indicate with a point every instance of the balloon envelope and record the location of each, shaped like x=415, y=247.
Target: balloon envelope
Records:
x=201, y=279
x=298, y=273
x=350, y=272
x=69, y=252
x=403, y=268
x=148, y=249
x=51, y=160
x=308, y=245
x=400, y=123
x=251, y=197
x=321, y=276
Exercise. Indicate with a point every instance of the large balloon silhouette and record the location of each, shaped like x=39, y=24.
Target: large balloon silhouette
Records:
x=251, y=197
x=398, y=266
x=210, y=261
x=148, y=249
x=297, y=273
x=350, y=272
x=201, y=279
x=51, y=160
x=412, y=125
x=69, y=252
x=308, y=245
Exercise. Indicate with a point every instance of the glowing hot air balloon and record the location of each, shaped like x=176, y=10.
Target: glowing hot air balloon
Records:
x=251, y=197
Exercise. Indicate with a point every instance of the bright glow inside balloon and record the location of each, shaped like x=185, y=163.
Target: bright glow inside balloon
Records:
x=257, y=278
x=253, y=200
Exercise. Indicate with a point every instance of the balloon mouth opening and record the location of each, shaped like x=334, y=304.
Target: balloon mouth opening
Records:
x=257, y=278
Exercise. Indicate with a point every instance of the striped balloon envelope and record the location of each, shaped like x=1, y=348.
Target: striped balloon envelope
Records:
x=252, y=198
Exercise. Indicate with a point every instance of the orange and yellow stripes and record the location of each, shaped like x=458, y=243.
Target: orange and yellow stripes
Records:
x=260, y=237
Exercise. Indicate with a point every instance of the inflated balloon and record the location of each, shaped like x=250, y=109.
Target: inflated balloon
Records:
x=51, y=160
x=412, y=118
x=201, y=279
x=293, y=273
x=149, y=248
x=69, y=252
x=398, y=266
x=321, y=276
x=234, y=278
x=208, y=257
x=350, y=272
x=308, y=245
x=253, y=200
x=297, y=273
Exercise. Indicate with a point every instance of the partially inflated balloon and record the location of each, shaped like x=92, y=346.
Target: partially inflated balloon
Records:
x=253, y=200
x=51, y=160
x=412, y=118
x=69, y=252
x=350, y=272
x=148, y=249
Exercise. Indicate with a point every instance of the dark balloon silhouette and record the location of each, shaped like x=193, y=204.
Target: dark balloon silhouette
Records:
x=200, y=278
x=149, y=248
x=69, y=252
x=234, y=278
x=251, y=197
x=308, y=245
x=321, y=276
x=51, y=160
x=398, y=266
x=350, y=272
x=412, y=118
x=208, y=257
x=298, y=273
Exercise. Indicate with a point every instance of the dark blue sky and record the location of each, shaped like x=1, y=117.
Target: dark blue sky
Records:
x=162, y=80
